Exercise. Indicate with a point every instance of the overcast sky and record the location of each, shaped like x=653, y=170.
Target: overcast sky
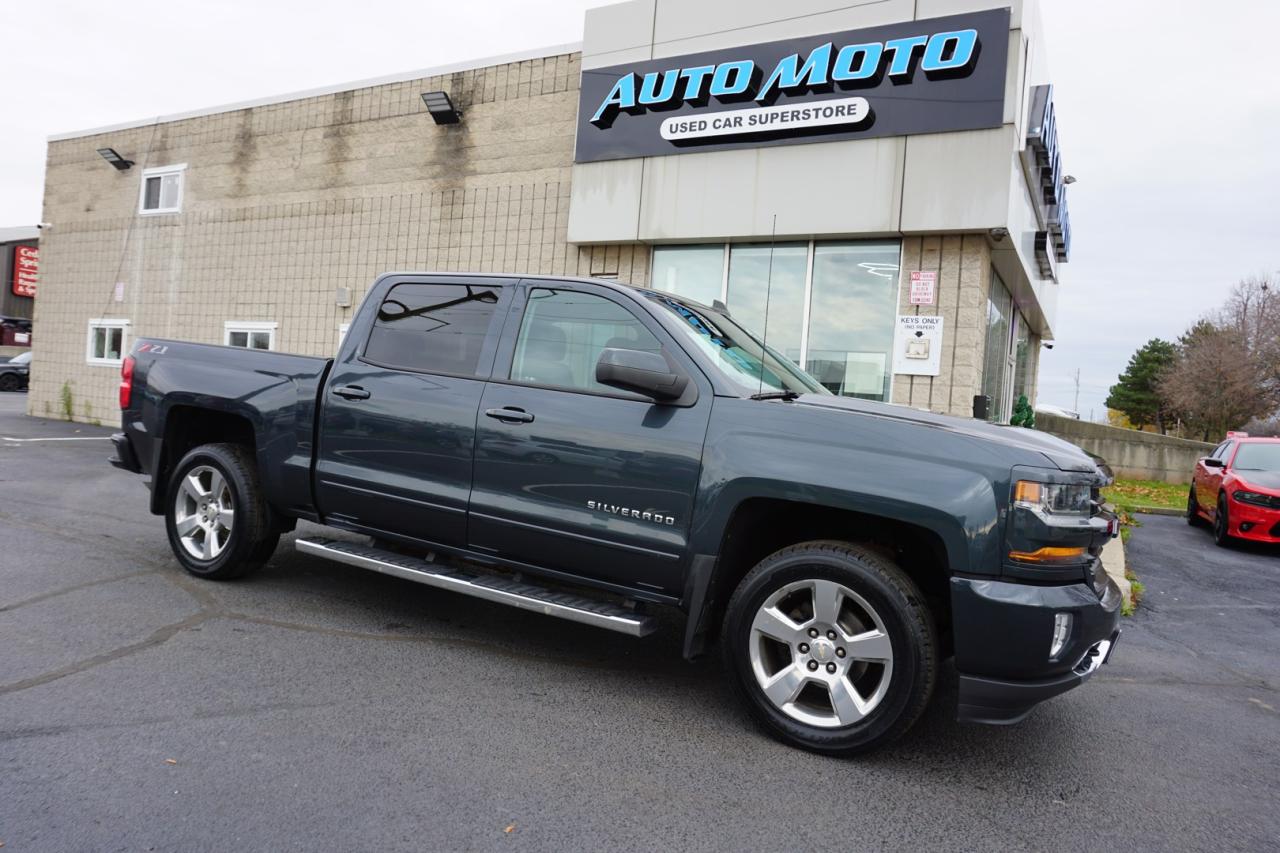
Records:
x=1169, y=116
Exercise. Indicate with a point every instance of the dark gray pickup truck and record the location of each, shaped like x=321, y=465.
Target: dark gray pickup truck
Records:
x=590, y=450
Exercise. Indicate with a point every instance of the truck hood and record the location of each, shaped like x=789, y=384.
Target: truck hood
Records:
x=1062, y=454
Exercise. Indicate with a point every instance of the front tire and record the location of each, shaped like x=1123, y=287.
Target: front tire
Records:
x=831, y=647
x=10, y=382
x=218, y=521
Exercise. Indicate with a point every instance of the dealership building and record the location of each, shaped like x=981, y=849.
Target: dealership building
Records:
x=875, y=186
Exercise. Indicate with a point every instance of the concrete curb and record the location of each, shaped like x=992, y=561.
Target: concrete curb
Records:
x=1113, y=561
x=1159, y=510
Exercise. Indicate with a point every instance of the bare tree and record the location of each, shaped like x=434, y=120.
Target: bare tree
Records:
x=1220, y=380
x=1253, y=311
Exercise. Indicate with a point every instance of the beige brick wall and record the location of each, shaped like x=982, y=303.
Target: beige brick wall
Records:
x=287, y=202
x=963, y=265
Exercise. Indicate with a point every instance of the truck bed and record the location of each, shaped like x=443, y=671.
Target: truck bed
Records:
x=274, y=393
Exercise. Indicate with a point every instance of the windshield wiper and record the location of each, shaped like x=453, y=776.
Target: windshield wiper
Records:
x=775, y=395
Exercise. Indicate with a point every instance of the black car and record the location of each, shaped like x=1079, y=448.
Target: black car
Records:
x=16, y=372
x=590, y=450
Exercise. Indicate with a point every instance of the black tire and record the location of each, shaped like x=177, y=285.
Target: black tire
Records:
x=1221, y=524
x=1193, y=508
x=907, y=622
x=10, y=382
x=252, y=538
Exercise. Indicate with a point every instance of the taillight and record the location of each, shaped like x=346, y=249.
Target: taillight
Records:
x=126, y=382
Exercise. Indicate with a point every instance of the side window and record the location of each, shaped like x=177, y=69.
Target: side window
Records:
x=434, y=328
x=1224, y=450
x=563, y=334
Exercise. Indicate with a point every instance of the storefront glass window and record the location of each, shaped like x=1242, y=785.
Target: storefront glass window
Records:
x=1021, y=359
x=694, y=272
x=995, y=365
x=851, y=320
x=760, y=274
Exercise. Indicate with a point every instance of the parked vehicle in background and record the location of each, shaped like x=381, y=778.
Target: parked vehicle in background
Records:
x=587, y=449
x=1048, y=409
x=15, y=374
x=1237, y=489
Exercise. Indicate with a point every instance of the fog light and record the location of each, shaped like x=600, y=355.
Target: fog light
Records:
x=1061, y=631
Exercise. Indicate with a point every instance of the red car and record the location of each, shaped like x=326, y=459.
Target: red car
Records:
x=1237, y=488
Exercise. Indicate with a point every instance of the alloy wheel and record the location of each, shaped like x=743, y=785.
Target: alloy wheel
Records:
x=820, y=653
x=204, y=512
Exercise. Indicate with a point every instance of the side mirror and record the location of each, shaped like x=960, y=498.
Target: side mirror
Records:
x=646, y=373
x=1210, y=462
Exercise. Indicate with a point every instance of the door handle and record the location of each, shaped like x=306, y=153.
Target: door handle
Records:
x=510, y=414
x=351, y=392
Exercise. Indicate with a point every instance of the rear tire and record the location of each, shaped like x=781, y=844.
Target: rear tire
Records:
x=217, y=519
x=831, y=647
x=1222, y=524
x=1193, y=508
x=10, y=382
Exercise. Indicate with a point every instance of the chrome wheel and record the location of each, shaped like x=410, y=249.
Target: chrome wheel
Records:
x=203, y=513
x=820, y=653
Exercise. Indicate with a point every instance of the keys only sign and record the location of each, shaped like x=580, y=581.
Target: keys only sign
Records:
x=928, y=76
x=917, y=345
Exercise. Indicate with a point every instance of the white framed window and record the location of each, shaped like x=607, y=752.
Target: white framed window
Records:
x=161, y=190
x=249, y=334
x=107, y=341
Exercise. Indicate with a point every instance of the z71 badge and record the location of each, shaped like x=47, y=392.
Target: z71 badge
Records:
x=628, y=512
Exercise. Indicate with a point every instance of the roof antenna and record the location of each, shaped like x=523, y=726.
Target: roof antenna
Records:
x=768, y=292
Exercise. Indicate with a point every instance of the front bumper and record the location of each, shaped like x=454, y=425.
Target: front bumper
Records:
x=1252, y=522
x=1003, y=633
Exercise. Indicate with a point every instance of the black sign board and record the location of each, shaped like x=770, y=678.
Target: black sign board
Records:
x=925, y=76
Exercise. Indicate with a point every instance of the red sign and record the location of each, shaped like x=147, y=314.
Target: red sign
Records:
x=924, y=287
x=26, y=263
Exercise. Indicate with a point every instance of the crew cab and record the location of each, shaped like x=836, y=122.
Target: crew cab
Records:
x=591, y=451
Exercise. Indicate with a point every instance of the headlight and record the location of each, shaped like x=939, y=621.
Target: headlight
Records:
x=1054, y=499
x=1255, y=498
x=1048, y=520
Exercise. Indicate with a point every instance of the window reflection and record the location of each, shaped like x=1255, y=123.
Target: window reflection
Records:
x=763, y=276
x=694, y=272
x=851, y=321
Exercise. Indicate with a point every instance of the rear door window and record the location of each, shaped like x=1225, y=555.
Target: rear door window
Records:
x=433, y=328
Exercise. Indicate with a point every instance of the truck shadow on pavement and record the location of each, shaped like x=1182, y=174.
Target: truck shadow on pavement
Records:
x=298, y=592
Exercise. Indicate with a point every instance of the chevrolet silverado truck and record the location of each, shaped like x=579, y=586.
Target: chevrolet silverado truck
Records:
x=591, y=451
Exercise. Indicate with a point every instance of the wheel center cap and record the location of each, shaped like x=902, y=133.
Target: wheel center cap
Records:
x=823, y=650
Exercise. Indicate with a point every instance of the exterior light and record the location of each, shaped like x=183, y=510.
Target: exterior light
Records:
x=114, y=158
x=1061, y=633
x=441, y=107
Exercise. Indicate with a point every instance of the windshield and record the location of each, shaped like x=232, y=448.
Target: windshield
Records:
x=1258, y=457
x=21, y=358
x=747, y=364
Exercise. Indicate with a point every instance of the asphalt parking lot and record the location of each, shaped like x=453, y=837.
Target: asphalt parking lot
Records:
x=317, y=707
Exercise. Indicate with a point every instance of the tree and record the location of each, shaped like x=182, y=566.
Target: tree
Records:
x=1137, y=392
x=1023, y=415
x=1217, y=382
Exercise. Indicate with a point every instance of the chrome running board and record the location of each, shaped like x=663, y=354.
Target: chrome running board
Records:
x=497, y=588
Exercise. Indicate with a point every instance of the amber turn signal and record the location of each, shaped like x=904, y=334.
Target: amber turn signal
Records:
x=1049, y=554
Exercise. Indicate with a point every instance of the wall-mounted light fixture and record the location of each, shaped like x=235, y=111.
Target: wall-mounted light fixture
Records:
x=441, y=107
x=112, y=157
